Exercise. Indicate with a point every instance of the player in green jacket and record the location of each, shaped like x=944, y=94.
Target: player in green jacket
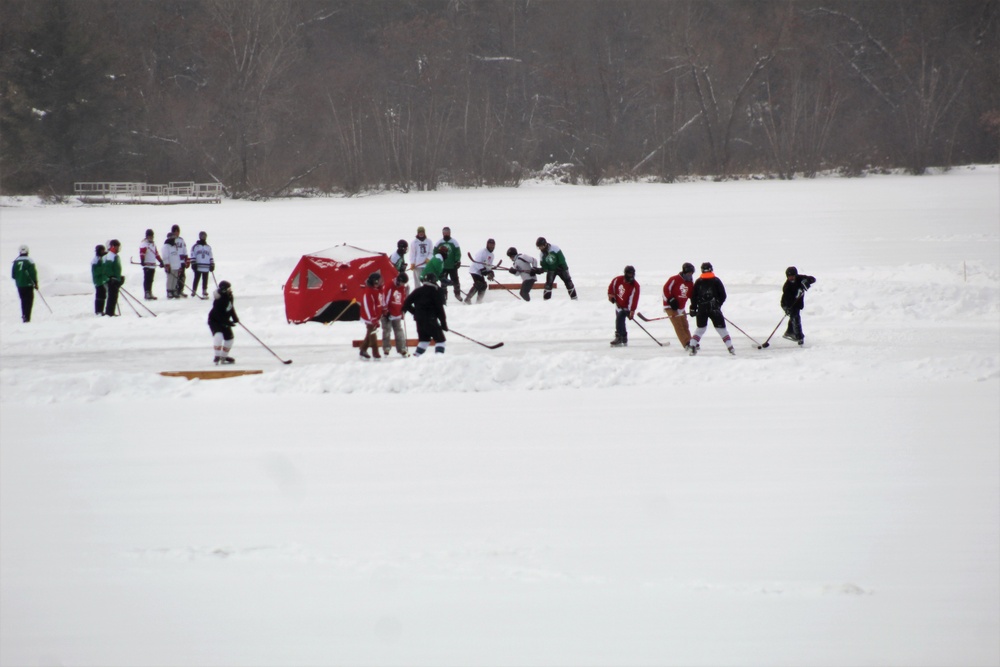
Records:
x=452, y=260
x=434, y=269
x=100, y=278
x=25, y=276
x=112, y=266
x=554, y=265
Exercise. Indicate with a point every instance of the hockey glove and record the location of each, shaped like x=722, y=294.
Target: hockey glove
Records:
x=489, y=275
x=512, y=270
x=672, y=303
x=611, y=299
x=211, y=267
x=444, y=326
x=788, y=311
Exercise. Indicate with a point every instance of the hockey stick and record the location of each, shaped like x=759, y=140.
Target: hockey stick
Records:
x=129, y=294
x=490, y=347
x=665, y=317
x=341, y=314
x=214, y=280
x=744, y=333
x=288, y=361
x=768, y=341
x=516, y=296
x=43, y=300
x=651, y=335
x=128, y=303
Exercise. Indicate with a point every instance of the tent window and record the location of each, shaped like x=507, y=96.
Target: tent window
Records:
x=295, y=281
x=312, y=280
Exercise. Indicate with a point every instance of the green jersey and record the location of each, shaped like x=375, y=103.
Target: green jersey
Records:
x=554, y=260
x=454, y=258
x=433, y=267
x=23, y=272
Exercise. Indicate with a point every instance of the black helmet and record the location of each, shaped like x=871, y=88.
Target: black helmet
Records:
x=100, y=250
x=706, y=267
x=225, y=287
x=402, y=278
x=629, y=269
x=791, y=271
x=541, y=242
x=402, y=244
x=429, y=278
x=512, y=252
x=688, y=267
x=373, y=279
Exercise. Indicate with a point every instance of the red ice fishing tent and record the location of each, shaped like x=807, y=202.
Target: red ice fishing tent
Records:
x=323, y=283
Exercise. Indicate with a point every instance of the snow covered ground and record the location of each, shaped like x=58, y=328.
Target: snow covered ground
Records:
x=552, y=502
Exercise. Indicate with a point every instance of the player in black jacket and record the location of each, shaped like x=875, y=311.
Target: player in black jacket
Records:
x=427, y=307
x=221, y=319
x=793, y=301
x=707, y=298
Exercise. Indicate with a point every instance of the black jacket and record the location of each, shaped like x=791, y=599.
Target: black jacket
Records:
x=794, y=290
x=425, y=303
x=708, y=294
x=223, y=313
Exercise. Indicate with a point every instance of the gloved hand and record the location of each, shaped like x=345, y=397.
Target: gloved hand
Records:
x=693, y=312
x=631, y=314
x=788, y=311
x=236, y=320
x=537, y=271
x=161, y=265
x=211, y=267
x=444, y=326
x=121, y=281
x=672, y=303
x=489, y=274
x=611, y=299
x=512, y=270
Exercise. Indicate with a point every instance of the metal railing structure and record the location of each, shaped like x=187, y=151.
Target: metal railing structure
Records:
x=179, y=192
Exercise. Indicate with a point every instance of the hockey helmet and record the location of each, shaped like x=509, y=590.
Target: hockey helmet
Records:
x=401, y=244
x=791, y=271
x=706, y=267
x=225, y=287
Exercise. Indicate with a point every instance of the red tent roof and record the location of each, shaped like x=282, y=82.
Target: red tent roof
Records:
x=323, y=284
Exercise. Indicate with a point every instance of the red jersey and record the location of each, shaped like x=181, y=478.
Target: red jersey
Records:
x=393, y=296
x=626, y=294
x=679, y=289
x=371, y=305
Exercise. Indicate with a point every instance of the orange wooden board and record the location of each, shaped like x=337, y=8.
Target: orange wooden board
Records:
x=209, y=375
x=513, y=287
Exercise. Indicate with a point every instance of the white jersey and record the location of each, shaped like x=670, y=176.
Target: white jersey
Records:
x=523, y=264
x=148, y=256
x=182, y=249
x=201, y=257
x=421, y=250
x=481, y=262
x=171, y=256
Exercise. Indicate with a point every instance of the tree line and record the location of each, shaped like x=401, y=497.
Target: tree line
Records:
x=271, y=97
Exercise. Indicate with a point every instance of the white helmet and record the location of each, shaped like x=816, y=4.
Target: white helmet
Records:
x=23, y=250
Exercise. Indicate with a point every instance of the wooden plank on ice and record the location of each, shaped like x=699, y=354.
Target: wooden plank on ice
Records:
x=210, y=375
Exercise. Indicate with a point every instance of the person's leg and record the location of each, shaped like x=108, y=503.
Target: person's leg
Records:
x=526, y=288
x=100, y=297
x=568, y=282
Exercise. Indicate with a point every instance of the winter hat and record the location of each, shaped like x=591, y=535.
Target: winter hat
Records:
x=421, y=230
x=23, y=250
x=629, y=269
x=402, y=245
x=687, y=268
x=706, y=267
x=791, y=271
x=224, y=286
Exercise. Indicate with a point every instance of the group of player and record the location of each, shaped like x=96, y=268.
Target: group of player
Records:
x=703, y=298
x=175, y=260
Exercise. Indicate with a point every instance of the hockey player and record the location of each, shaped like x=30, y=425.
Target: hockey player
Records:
x=624, y=293
x=554, y=264
x=524, y=267
x=435, y=268
x=393, y=296
x=112, y=266
x=150, y=258
x=452, y=260
x=221, y=319
x=171, y=264
x=25, y=277
x=100, y=279
x=184, y=262
x=676, y=292
x=424, y=303
x=371, y=314
x=398, y=258
x=202, y=263
x=481, y=271
x=793, y=295
x=420, y=253
x=707, y=298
